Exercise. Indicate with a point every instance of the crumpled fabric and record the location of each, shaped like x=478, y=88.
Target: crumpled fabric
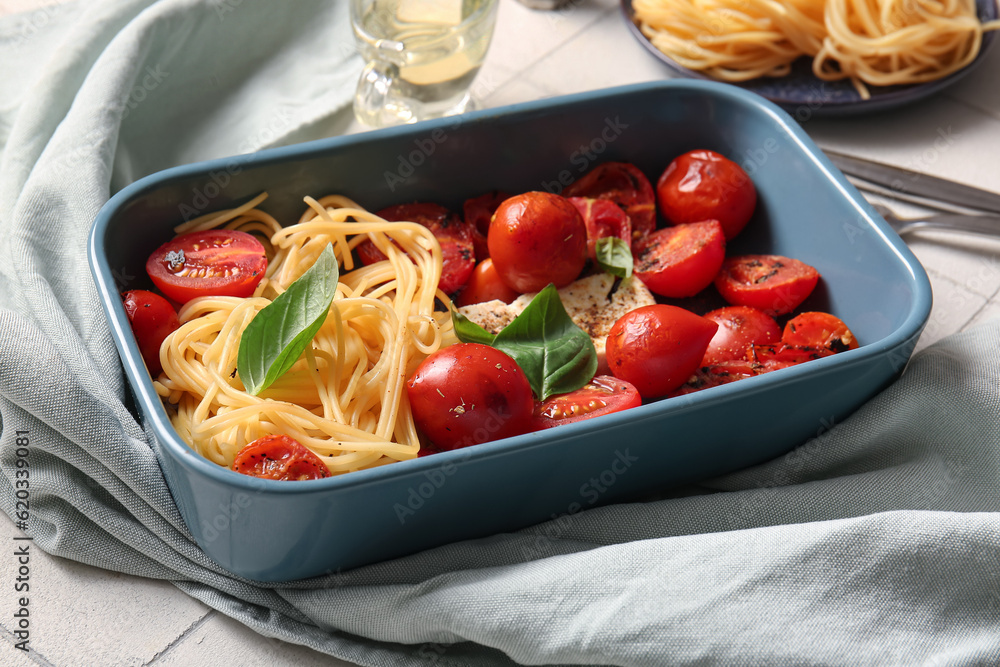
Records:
x=877, y=542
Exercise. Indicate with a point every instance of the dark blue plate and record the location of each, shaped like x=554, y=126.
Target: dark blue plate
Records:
x=804, y=96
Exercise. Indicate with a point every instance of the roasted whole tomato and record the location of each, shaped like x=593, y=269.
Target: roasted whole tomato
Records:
x=453, y=235
x=152, y=319
x=601, y=396
x=537, y=238
x=478, y=212
x=279, y=457
x=485, y=285
x=772, y=283
x=739, y=328
x=680, y=261
x=816, y=329
x=467, y=394
x=604, y=219
x=215, y=262
x=704, y=185
x=658, y=348
x=625, y=185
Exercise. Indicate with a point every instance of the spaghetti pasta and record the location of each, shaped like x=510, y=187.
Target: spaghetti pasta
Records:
x=870, y=42
x=345, y=398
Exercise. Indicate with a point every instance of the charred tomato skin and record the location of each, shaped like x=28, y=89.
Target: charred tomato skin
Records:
x=772, y=283
x=279, y=457
x=680, y=261
x=739, y=328
x=819, y=329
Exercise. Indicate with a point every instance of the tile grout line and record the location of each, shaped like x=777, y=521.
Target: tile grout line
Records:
x=31, y=653
x=180, y=638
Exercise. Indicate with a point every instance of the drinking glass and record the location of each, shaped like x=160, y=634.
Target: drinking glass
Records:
x=421, y=57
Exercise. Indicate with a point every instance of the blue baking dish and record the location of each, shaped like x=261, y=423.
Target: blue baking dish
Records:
x=270, y=531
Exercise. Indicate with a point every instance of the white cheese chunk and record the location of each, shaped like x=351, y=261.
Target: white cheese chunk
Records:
x=586, y=301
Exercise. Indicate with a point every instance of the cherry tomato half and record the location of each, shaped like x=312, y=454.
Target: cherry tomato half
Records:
x=625, y=185
x=215, y=262
x=453, y=235
x=704, y=185
x=657, y=348
x=773, y=357
x=739, y=328
x=279, y=457
x=152, y=319
x=478, y=212
x=815, y=329
x=774, y=284
x=601, y=396
x=716, y=375
x=537, y=238
x=485, y=285
x=467, y=394
x=603, y=219
x=680, y=261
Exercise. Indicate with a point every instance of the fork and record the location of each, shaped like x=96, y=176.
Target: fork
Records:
x=986, y=225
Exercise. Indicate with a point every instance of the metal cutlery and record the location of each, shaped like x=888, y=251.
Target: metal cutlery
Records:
x=912, y=186
x=987, y=225
x=951, y=200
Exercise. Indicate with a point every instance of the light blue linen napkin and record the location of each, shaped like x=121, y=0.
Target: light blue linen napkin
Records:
x=877, y=542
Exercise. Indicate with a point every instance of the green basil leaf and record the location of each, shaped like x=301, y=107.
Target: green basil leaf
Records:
x=280, y=332
x=614, y=256
x=468, y=331
x=555, y=354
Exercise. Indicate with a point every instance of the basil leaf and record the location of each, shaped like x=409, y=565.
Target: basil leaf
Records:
x=555, y=354
x=280, y=332
x=614, y=256
x=468, y=331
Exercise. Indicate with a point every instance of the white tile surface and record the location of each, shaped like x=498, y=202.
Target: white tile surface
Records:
x=220, y=636
x=84, y=616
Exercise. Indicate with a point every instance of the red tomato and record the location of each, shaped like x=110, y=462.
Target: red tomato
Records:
x=603, y=219
x=680, y=261
x=703, y=185
x=468, y=394
x=478, y=213
x=739, y=328
x=485, y=285
x=715, y=375
x=537, y=238
x=819, y=330
x=602, y=395
x=773, y=357
x=453, y=235
x=279, y=457
x=152, y=319
x=625, y=185
x=774, y=284
x=215, y=262
x=657, y=348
